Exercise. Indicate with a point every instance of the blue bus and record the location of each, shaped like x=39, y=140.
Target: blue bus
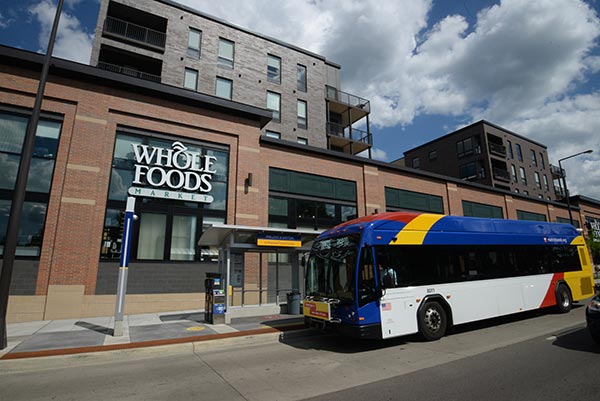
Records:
x=399, y=273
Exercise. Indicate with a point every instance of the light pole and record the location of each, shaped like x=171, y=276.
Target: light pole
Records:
x=16, y=209
x=562, y=173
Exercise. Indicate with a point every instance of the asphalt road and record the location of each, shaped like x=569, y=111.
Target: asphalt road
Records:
x=525, y=357
x=543, y=369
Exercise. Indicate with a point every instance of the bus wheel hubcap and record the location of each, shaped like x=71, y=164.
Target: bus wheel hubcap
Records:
x=433, y=319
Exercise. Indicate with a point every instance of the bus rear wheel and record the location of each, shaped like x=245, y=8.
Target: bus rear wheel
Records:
x=564, y=301
x=432, y=321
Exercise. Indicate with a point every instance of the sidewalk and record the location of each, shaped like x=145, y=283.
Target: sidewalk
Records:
x=73, y=336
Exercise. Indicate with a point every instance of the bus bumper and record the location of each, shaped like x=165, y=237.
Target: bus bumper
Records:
x=368, y=331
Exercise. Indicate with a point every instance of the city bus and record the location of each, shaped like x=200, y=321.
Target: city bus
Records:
x=399, y=273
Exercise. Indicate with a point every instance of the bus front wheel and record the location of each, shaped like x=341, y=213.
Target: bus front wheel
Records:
x=564, y=301
x=432, y=321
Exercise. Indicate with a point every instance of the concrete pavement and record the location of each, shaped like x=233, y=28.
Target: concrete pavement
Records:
x=73, y=336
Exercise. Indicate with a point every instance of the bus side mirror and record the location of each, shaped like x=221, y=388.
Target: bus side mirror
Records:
x=303, y=261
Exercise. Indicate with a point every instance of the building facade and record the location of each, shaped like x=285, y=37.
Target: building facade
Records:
x=491, y=155
x=208, y=183
x=166, y=42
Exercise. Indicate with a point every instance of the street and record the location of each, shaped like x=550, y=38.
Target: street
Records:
x=532, y=356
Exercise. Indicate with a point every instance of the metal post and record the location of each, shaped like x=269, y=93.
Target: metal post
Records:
x=564, y=175
x=124, y=266
x=16, y=209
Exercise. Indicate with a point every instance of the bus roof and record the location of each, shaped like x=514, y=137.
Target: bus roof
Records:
x=411, y=228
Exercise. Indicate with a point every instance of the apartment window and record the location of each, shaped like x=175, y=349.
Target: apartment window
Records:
x=274, y=68
x=302, y=140
x=533, y=158
x=190, y=79
x=523, y=176
x=510, y=150
x=194, y=39
x=538, y=183
x=416, y=162
x=467, y=147
x=546, y=183
x=302, y=120
x=301, y=77
x=273, y=134
x=513, y=171
x=519, y=152
x=274, y=104
x=224, y=88
x=226, y=52
x=433, y=155
x=468, y=171
x=542, y=162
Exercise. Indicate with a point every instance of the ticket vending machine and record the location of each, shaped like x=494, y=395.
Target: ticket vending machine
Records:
x=214, y=304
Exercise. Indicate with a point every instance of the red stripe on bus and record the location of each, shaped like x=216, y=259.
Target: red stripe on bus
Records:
x=550, y=298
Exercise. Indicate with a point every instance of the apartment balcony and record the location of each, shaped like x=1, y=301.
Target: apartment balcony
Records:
x=351, y=107
x=557, y=172
x=497, y=149
x=135, y=33
x=501, y=174
x=128, y=71
x=347, y=139
x=560, y=192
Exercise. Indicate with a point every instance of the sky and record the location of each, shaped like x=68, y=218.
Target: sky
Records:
x=428, y=67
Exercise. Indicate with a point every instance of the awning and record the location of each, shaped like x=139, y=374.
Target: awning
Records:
x=249, y=237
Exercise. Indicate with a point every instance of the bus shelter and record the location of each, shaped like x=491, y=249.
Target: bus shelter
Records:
x=260, y=266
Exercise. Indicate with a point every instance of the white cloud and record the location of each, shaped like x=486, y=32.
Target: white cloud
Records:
x=72, y=40
x=522, y=65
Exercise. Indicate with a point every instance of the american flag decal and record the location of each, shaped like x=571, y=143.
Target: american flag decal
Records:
x=386, y=306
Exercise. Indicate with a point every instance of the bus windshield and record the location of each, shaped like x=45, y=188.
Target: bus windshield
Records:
x=331, y=266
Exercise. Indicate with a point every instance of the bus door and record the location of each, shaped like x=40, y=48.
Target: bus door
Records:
x=398, y=306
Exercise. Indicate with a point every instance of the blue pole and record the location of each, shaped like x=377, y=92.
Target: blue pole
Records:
x=124, y=266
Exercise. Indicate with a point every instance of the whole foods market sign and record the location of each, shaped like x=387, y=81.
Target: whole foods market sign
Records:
x=175, y=173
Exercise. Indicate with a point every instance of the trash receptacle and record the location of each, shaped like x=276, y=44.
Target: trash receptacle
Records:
x=293, y=303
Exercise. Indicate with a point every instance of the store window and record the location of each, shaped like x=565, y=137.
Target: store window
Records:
x=13, y=128
x=402, y=200
x=307, y=201
x=170, y=220
x=524, y=215
x=474, y=209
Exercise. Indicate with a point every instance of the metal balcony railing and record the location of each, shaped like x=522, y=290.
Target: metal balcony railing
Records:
x=134, y=32
x=332, y=93
x=559, y=191
x=128, y=71
x=497, y=149
x=557, y=171
x=501, y=174
x=353, y=134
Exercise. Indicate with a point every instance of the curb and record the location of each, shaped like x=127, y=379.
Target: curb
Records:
x=152, y=343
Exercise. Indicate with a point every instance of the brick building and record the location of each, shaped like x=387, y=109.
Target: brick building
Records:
x=102, y=132
x=491, y=155
x=163, y=41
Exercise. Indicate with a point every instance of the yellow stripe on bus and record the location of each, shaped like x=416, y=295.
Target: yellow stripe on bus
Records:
x=581, y=282
x=415, y=231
